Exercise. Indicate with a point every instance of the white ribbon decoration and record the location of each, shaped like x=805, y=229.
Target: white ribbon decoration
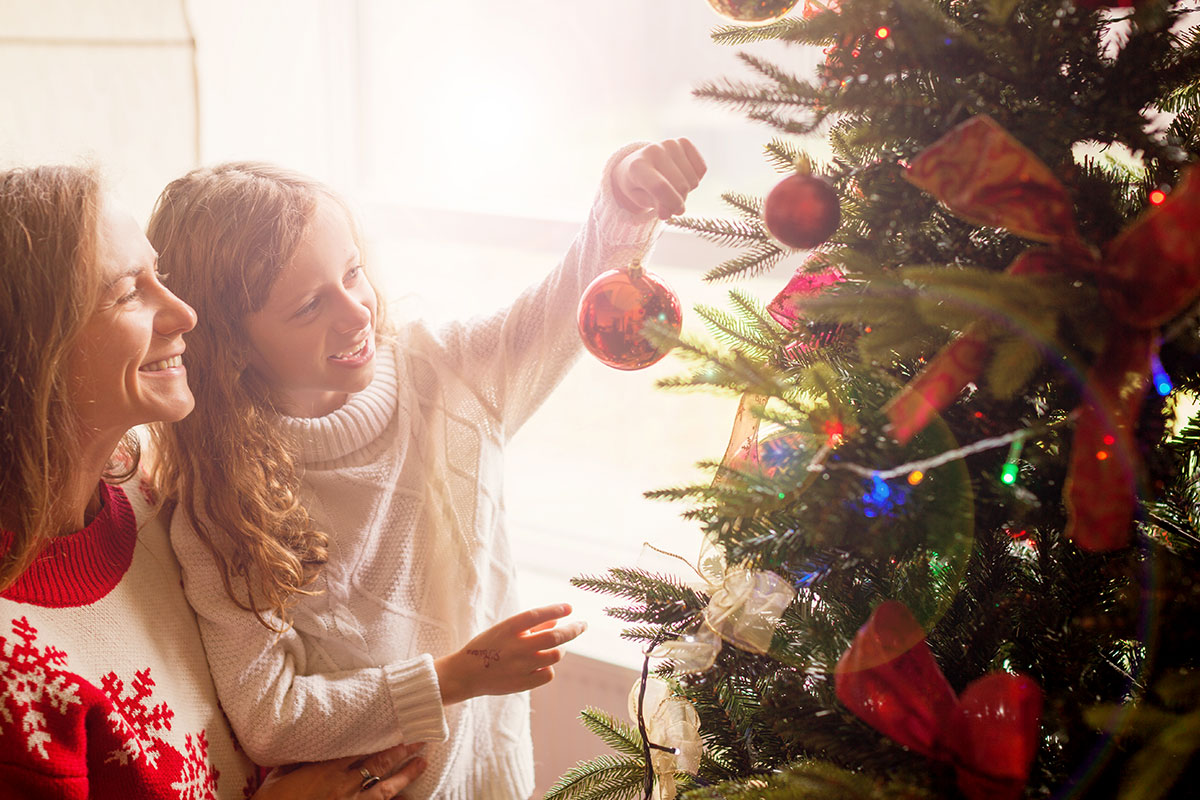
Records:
x=670, y=721
x=748, y=606
x=744, y=608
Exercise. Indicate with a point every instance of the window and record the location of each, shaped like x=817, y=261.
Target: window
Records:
x=472, y=137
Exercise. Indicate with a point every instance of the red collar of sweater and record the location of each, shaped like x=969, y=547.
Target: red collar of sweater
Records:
x=80, y=569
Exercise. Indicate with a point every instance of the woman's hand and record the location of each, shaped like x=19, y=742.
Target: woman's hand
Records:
x=343, y=778
x=658, y=177
x=511, y=656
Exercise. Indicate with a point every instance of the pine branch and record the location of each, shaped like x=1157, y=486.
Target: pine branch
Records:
x=747, y=34
x=749, y=207
x=730, y=233
x=760, y=258
x=617, y=735
x=603, y=778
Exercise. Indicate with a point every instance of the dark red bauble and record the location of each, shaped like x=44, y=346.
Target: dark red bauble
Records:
x=802, y=211
x=614, y=309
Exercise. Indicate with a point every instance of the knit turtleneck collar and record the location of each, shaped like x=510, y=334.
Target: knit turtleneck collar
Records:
x=81, y=568
x=356, y=424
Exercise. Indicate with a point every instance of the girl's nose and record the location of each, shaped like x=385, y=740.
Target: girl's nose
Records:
x=354, y=316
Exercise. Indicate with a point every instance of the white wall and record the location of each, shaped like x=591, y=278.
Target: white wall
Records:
x=107, y=81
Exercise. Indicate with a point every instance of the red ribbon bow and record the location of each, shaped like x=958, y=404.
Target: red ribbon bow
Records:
x=889, y=679
x=1147, y=275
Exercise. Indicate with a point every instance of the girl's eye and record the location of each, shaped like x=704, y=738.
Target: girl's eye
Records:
x=354, y=273
x=308, y=307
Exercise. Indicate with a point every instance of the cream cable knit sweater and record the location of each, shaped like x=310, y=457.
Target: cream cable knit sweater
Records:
x=406, y=478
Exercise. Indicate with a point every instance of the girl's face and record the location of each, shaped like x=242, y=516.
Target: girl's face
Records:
x=127, y=364
x=314, y=338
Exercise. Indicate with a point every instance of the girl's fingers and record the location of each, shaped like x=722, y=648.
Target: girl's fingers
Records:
x=540, y=677
x=526, y=620
x=545, y=640
x=694, y=159
x=653, y=179
x=680, y=169
x=671, y=164
x=545, y=658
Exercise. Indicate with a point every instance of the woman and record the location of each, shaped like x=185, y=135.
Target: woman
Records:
x=104, y=689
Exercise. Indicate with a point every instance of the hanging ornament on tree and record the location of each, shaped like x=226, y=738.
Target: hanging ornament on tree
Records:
x=615, y=308
x=802, y=210
x=752, y=11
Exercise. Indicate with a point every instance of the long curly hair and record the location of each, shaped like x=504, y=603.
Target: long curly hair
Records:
x=49, y=288
x=224, y=234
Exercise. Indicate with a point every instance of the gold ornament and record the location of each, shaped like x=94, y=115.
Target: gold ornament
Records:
x=753, y=11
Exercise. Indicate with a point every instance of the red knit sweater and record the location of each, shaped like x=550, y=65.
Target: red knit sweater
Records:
x=104, y=689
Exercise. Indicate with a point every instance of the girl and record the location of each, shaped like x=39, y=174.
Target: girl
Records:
x=341, y=517
x=104, y=690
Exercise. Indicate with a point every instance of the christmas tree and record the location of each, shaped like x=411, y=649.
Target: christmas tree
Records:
x=951, y=550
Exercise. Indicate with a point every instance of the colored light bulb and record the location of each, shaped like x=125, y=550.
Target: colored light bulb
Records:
x=1162, y=381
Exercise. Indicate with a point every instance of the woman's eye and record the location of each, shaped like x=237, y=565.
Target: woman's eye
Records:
x=161, y=277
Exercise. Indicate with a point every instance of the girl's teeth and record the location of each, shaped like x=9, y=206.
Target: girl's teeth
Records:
x=166, y=363
x=354, y=352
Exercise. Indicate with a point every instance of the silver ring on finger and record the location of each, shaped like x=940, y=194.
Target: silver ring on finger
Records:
x=369, y=780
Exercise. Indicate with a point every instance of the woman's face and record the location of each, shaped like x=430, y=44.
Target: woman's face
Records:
x=314, y=338
x=127, y=364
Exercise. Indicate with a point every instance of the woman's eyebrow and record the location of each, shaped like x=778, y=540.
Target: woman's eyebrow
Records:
x=131, y=272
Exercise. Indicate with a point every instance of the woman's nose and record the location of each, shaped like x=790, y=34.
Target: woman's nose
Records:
x=175, y=316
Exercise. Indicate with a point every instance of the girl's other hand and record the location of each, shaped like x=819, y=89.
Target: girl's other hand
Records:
x=658, y=177
x=343, y=778
x=511, y=656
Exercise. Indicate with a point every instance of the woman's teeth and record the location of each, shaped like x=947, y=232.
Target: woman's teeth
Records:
x=166, y=363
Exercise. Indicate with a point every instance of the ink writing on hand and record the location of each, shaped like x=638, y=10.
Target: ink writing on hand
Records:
x=488, y=656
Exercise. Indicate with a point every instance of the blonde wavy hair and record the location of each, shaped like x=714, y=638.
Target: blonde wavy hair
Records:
x=224, y=234
x=49, y=288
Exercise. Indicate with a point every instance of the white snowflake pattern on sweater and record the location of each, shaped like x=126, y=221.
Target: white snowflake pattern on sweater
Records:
x=31, y=681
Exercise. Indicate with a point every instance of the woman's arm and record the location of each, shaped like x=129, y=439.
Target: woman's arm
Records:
x=344, y=778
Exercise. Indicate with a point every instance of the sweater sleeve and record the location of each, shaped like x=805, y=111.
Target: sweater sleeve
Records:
x=514, y=358
x=282, y=710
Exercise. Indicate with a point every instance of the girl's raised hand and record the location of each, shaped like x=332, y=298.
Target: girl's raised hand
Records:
x=658, y=177
x=511, y=656
x=344, y=779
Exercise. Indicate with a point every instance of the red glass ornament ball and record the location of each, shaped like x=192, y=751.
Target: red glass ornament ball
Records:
x=802, y=211
x=614, y=309
x=752, y=11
